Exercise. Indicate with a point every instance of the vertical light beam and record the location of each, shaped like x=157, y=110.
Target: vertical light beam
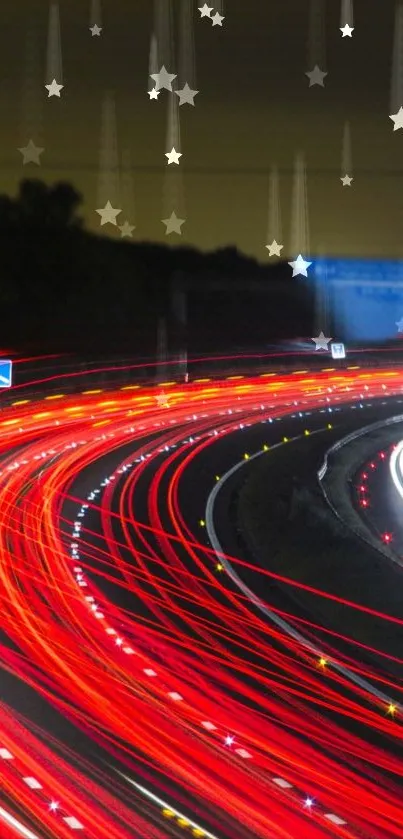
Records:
x=54, y=67
x=396, y=93
x=95, y=13
x=274, y=231
x=317, y=35
x=31, y=98
x=347, y=14
x=163, y=28
x=187, y=62
x=346, y=152
x=173, y=189
x=153, y=64
x=109, y=171
x=322, y=301
x=127, y=187
x=299, y=212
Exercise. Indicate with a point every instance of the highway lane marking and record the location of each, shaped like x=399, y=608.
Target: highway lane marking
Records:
x=165, y=806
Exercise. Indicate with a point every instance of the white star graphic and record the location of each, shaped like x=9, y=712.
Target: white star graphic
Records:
x=321, y=342
x=217, y=19
x=163, y=79
x=108, y=214
x=95, y=30
x=54, y=88
x=274, y=249
x=399, y=324
x=153, y=93
x=397, y=119
x=229, y=740
x=173, y=224
x=31, y=153
x=205, y=10
x=346, y=181
x=173, y=156
x=347, y=31
x=316, y=76
x=299, y=266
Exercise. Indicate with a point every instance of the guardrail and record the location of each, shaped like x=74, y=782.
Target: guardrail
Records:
x=350, y=438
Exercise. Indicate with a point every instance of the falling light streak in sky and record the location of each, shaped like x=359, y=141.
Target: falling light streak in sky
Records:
x=274, y=226
x=346, y=153
x=54, y=64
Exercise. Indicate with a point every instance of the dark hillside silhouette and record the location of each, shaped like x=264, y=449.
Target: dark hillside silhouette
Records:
x=64, y=288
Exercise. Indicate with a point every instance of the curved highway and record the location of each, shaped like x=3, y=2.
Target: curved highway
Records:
x=162, y=702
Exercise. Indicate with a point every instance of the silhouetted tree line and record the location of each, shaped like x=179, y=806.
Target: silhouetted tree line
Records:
x=62, y=287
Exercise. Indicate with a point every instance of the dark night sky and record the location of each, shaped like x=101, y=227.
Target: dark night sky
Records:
x=254, y=110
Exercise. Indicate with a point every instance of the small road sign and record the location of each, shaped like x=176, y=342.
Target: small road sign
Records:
x=338, y=350
x=6, y=367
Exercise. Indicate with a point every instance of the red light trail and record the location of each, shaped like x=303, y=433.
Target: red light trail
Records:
x=189, y=685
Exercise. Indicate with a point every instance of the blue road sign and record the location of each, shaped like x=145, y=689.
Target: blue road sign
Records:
x=6, y=367
x=365, y=296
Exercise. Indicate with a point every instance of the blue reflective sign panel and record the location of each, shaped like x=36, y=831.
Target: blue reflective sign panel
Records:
x=365, y=296
x=338, y=350
x=5, y=372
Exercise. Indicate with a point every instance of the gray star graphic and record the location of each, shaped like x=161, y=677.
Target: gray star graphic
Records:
x=163, y=79
x=95, y=30
x=31, y=153
x=173, y=224
x=186, y=95
x=397, y=119
x=217, y=19
x=108, y=214
x=205, y=10
x=126, y=229
x=346, y=181
x=321, y=342
x=54, y=88
x=274, y=249
x=316, y=76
